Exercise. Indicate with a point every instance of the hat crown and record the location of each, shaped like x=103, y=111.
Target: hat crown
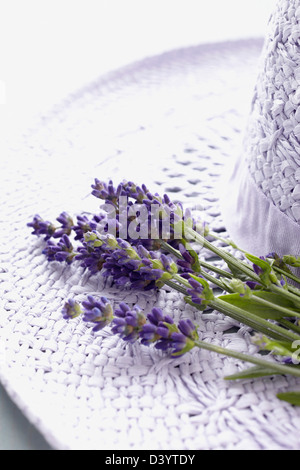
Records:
x=272, y=140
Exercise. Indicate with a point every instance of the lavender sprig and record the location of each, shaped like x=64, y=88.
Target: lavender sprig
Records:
x=159, y=330
x=131, y=324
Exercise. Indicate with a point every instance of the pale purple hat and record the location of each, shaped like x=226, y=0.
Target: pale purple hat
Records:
x=172, y=122
x=262, y=204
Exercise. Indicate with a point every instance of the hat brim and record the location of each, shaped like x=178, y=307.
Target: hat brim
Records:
x=172, y=122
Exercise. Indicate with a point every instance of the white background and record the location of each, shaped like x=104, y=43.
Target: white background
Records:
x=49, y=48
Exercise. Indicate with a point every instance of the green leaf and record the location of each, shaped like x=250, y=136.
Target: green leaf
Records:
x=267, y=276
x=252, y=373
x=252, y=306
x=200, y=280
x=276, y=299
x=207, y=291
x=259, y=262
x=282, y=348
x=291, y=397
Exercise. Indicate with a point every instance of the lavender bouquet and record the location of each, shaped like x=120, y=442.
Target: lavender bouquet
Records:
x=144, y=241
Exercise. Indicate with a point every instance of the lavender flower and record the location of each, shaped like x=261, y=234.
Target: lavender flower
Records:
x=71, y=309
x=157, y=329
x=252, y=285
x=258, y=269
x=263, y=268
x=91, y=253
x=84, y=225
x=106, y=192
x=42, y=227
x=99, y=312
x=200, y=292
x=154, y=215
x=66, y=227
x=91, y=258
x=131, y=324
x=184, y=340
x=136, y=266
x=196, y=291
x=138, y=193
x=190, y=262
x=62, y=251
x=128, y=323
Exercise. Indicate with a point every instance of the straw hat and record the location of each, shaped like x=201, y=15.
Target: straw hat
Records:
x=174, y=122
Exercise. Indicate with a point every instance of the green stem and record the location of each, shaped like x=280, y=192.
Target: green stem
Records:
x=215, y=269
x=171, y=249
x=207, y=276
x=260, y=300
x=279, y=308
x=279, y=368
x=288, y=324
x=231, y=260
x=287, y=274
x=252, y=320
x=183, y=281
x=219, y=284
x=289, y=295
x=176, y=286
x=294, y=290
x=226, y=241
x=215, y=281
x=202, y=263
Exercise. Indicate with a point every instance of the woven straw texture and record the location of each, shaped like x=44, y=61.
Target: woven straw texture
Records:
x=172, y=122
x=273, y=137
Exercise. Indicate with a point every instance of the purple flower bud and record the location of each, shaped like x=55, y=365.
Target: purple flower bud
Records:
x=85, y=225
x=148, y=333
x=257, y=269
x=42, y=227
x=166, y=199
x=62, y=251
x=99, y=312
x=179, y=343
x=186, y=255
x=252, y=284
x=162, y=331
x=163, y=344
x=128, y=323
x=187, y=328
x=155, y=316
x=272, y=255
x=71, y=309
x=66, y=225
